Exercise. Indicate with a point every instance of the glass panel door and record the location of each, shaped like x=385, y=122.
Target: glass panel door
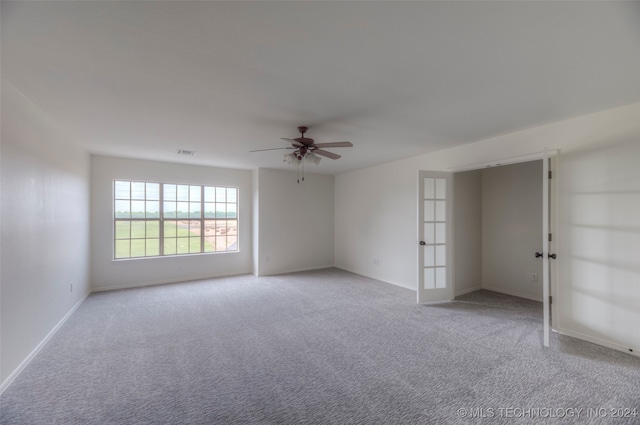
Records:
x=435, y=271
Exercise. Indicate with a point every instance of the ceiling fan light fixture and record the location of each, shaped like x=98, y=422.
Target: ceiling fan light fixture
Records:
x=290, y=158
x=312, y=157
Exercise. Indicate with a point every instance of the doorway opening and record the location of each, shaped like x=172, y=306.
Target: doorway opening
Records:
x=499, y=223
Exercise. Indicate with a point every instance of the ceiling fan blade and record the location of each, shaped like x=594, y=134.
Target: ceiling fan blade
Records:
x=327, y=154
x=294, y=142
x=271, y=149
x=335, y=145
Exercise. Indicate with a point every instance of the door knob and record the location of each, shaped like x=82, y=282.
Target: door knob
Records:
x=423, y=243
x=552, y=256
x=539, y=254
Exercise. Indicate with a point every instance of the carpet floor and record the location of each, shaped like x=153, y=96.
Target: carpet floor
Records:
x=318, y=347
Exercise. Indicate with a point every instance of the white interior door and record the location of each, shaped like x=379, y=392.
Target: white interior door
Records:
x=435, y=236
x=545, y=247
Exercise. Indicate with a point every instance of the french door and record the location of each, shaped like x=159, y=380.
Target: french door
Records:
x=435, y=233
x=546, y=252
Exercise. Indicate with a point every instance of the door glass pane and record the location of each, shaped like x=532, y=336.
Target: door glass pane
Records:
x=429, y=233
x=441, y=188
x=440, y=207
x=429, y=278
x=429, y=214
x=429, y=189
x=440, y=255
x=441, y=277
x=429, y=260
x=440, y=235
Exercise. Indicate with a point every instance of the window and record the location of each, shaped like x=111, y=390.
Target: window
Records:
x=156, y=219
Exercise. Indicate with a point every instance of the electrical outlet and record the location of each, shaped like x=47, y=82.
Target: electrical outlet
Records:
x=534, y=277
x=71, y=287
x=376, y=262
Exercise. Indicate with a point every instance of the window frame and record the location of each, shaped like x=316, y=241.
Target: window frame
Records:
x=161, y=220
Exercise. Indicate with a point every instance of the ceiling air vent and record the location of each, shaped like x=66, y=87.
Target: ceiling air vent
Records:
x=186, y=152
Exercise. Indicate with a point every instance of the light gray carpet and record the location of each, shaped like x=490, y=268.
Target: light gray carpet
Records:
x=321, y=347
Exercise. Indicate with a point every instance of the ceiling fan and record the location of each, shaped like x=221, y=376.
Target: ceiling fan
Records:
x=306, y=148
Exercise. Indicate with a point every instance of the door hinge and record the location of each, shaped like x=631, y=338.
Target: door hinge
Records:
x=550, y=237
x=550, y=173
x=550, y=299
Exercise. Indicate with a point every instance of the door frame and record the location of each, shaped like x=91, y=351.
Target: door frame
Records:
x=553, y=155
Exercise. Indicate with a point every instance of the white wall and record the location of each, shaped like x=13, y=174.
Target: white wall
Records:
x=107, y=273
x=600, y=244
x=512, y=228
x=467, y=244
x=296, y=222
x=255, y=240
x=376, y=227
x=44, y=210
x=376, y=214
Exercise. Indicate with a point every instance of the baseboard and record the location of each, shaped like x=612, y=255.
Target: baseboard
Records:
x=512, y=293
x=347, y=269
x=40, y=346
x=598, y=341
x=303, y=269
x=165, y=281
x=466, y=291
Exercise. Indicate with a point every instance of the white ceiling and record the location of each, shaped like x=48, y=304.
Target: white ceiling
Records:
x=143, y=79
